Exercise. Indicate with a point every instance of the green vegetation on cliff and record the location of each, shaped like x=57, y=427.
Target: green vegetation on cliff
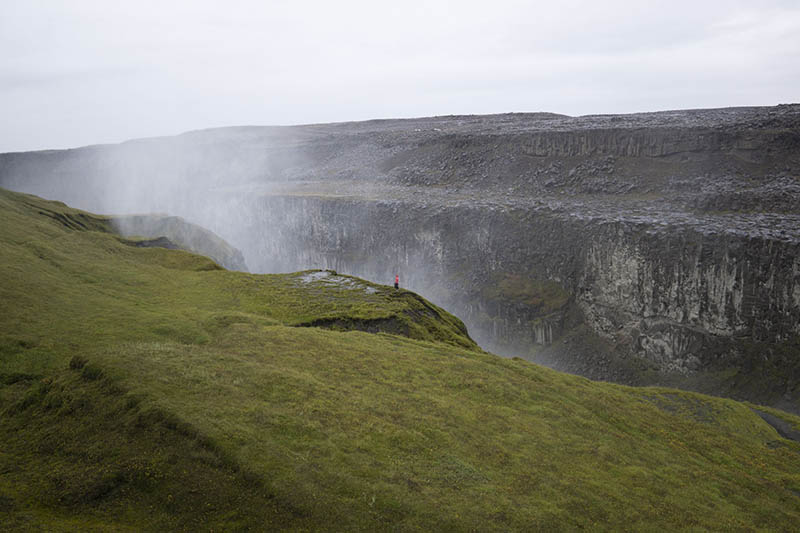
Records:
x=149, y=389
x=511, y=289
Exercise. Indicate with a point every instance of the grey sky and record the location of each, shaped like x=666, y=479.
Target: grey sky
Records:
x=78, y=72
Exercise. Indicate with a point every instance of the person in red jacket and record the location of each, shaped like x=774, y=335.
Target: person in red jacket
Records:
x=396, y=281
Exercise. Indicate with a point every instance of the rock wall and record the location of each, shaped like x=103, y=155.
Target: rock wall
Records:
x=670, y=296
x=653, y=143
x=676, y=294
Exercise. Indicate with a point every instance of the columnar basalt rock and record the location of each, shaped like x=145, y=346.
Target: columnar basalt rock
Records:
x=675, y=291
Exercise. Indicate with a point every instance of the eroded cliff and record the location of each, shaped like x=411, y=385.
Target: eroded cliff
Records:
x=649, y=248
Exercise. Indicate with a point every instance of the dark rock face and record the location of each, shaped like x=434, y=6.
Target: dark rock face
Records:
x=674, y=293
x=620, y=247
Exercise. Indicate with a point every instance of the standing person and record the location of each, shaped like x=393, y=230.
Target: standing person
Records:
x=397, y=281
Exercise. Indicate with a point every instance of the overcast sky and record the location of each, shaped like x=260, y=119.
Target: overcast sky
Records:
x=77, y=72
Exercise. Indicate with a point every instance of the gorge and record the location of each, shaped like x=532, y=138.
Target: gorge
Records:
x=654, y=248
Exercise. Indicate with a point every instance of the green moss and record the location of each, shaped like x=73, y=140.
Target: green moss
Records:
x=547, y=296
x=86, y=457
x=135, y=395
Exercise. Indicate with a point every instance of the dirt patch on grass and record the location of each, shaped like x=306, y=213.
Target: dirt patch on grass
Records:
x=784, y=428
x=369, y=325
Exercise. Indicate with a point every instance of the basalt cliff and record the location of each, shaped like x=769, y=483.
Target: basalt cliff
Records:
x=647, y=248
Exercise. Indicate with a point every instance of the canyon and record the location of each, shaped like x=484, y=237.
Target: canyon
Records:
x=652, y=248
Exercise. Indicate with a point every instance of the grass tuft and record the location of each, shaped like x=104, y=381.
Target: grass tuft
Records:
x=77, y=362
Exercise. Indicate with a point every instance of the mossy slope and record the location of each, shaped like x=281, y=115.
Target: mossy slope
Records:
x=148, y=389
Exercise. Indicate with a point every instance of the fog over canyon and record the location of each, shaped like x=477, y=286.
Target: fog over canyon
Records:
x=654, y=248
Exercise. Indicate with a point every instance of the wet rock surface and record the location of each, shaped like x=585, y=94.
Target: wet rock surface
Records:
x=635, y=247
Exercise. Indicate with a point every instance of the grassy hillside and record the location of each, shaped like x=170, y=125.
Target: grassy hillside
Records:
x=148, y=389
